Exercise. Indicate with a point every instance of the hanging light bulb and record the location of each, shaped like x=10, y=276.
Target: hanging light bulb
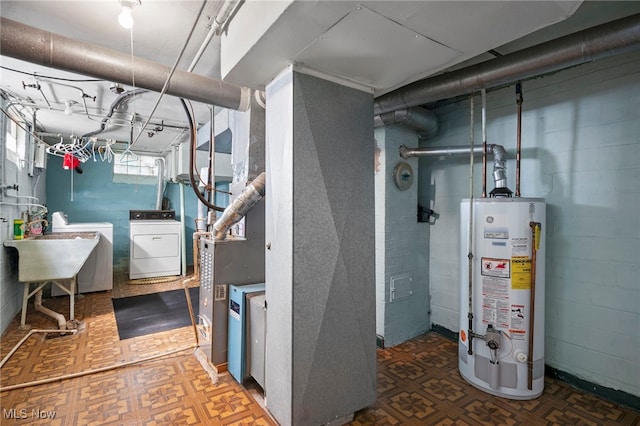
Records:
x=126, y=18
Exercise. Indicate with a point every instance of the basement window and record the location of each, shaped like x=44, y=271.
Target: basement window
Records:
x=15, y=138
x=134, y=168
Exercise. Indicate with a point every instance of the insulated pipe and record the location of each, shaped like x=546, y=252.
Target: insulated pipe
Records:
x=588, y=45
x=419, y=119
x=251, y=194
x=45, y=48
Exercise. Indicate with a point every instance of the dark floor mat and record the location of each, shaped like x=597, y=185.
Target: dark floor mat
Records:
x=153, y=313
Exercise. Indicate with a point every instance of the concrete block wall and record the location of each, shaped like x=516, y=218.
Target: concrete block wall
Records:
x=10, y=288
x=581, y=152
x=402, y=286
x=96, y=198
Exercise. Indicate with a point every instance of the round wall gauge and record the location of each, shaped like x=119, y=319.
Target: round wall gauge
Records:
x=403, y=176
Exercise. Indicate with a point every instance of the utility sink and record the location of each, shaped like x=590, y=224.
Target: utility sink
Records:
x=54, y=256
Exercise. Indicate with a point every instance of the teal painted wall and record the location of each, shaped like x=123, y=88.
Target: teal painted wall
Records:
x=96, y=198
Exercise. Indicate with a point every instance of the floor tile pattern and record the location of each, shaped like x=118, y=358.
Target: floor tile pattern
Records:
x=418, y=381
x=419, y=384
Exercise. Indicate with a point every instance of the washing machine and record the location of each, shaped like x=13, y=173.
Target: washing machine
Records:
x=97, y=272
x=154, y=244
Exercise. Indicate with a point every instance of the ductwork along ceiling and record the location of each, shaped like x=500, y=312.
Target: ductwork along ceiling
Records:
x=379, y=46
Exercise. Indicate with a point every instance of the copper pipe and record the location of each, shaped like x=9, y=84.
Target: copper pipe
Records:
x=519, y=136
x=535, y=226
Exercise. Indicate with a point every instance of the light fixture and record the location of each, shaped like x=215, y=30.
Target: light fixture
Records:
x=68, y=107
x=126, y=18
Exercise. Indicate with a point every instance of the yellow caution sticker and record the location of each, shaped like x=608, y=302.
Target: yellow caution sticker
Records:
x=520, y=273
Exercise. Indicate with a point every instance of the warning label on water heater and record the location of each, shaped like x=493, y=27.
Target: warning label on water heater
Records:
x=499, y=268
x=517, y=326
x=495, y=301
x=521, y=270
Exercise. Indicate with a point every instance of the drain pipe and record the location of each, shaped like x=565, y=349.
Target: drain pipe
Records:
x=62, y=322
x=599, y=42
x=52, y=50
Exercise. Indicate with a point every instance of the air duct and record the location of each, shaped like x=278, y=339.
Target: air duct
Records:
x=419, y=119
x=499, y=161
x=122, y=97
x=594, y=43
x=41, y=47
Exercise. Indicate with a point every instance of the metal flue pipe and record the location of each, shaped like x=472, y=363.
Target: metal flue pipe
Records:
x=52, y=50
x=437, y=151
x=594, y=43
x=419, y=119
x=498, y=152
x=251, y=194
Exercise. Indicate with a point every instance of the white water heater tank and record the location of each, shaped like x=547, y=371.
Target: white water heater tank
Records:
x=502, y=350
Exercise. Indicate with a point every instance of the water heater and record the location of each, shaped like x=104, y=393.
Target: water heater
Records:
x=502, y=270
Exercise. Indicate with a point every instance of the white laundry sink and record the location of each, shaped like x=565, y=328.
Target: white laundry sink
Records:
x=55, y=256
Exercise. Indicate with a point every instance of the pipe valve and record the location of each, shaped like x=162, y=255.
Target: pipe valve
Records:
x=493, y=337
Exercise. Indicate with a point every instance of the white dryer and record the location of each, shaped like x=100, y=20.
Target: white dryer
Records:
x=97, y=272
x=154, y=244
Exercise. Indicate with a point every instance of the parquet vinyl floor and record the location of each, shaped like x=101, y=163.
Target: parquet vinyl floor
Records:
x=418, y=381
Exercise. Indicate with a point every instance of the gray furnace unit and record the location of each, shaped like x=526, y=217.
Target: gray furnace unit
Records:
x=236, y=261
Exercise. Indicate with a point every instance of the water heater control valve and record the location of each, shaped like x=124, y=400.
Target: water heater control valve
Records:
x=493, y=337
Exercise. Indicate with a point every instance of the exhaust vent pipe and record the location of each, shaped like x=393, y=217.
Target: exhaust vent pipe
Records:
x=419, y=119
x=160, y=184
x=499, y=162
x=239, y=207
